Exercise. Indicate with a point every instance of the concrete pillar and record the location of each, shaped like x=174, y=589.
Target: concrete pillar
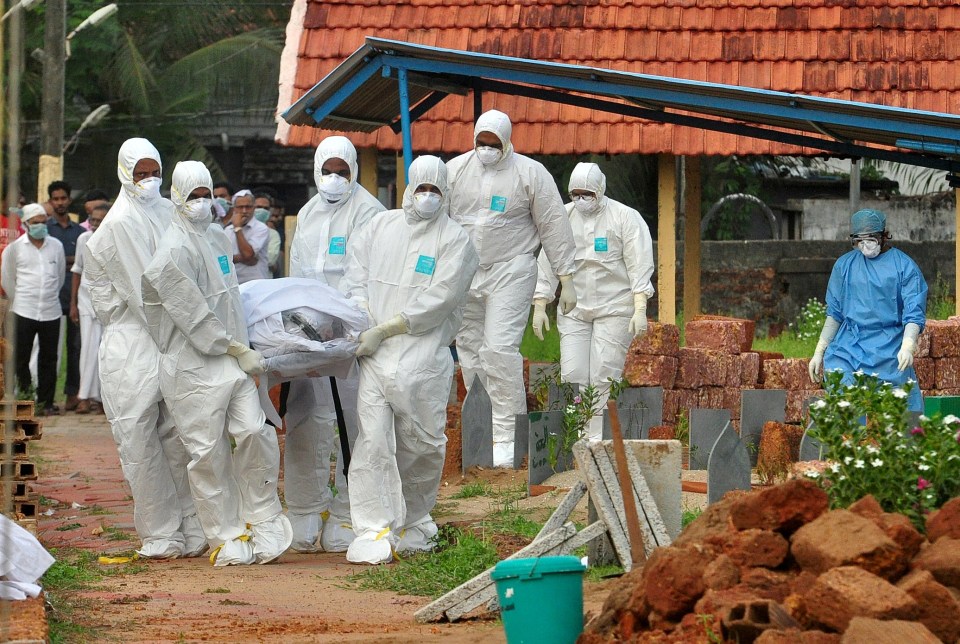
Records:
x=667, y=238
x=691, y=237
x=401, y=180
x=368, y=169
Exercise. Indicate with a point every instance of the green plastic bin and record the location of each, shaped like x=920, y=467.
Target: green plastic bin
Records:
x=541, y=600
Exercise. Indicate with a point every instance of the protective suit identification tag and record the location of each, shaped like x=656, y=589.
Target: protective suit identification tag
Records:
x=425, y=265
x=498, y=203
x=224, y=264
x=600, y=244
x=338, y=246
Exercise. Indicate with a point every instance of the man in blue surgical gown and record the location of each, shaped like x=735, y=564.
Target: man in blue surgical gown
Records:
x=876, y=308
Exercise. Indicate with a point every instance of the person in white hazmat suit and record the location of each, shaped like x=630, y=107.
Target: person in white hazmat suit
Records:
x=412, y=269
x=510, y=206
x=152, y=456
x=614, y=266
x=319, y=251
x=193, y=310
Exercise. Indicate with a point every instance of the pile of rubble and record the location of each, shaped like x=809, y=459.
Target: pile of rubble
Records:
x=776, y=566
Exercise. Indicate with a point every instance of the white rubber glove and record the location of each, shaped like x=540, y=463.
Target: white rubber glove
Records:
x=568, y=294
x=371, y=338
x=815, y=366
x=638, y=323
x=250, y=361
x=908, y=347
x=540, y=318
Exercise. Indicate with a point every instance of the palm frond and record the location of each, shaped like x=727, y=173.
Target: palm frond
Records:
x=132, y=79
x=228, y=69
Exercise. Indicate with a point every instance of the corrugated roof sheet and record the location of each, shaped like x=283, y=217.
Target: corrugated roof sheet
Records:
x=899, y=53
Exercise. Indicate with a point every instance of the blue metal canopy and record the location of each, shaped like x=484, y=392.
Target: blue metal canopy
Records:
x=393, y=83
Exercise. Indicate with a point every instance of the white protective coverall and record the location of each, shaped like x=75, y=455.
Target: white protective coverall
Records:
x=412, y=270
x=153, y=459
x=319, y=251
x=614, y=266
x=193, y=310
x=510, y=208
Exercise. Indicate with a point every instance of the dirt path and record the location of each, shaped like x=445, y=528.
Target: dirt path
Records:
x=302, y=598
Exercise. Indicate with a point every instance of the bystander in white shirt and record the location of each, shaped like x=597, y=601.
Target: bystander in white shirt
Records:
x=90, y=331
x=31, y=277
x=257, y=235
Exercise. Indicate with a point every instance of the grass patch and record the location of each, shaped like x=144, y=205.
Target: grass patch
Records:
x=689, y=515
x=787, y=344
x=233, y=602
x=470, y=490
x=68, y=526
x=460, y=555
x=602, y=572
x=72, y=572
x=218, y=589
x=546, y=351
x=445, y=509
x=99, y=510
x=116, y=534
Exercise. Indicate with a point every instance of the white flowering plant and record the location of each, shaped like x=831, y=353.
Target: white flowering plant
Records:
x=872, y=445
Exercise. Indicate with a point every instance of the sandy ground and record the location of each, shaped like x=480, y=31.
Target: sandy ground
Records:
x=301, y=598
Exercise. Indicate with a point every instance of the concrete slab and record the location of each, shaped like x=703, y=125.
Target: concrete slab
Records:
x=705, y=428
x=757, y=407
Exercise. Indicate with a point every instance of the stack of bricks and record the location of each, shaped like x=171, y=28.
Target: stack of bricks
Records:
x=22, y=503
x=709, y=372
x=937, y=360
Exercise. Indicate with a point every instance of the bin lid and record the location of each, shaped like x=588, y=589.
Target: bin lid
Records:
x=536, y=566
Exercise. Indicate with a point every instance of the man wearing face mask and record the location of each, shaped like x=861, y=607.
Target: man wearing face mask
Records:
x=510, y=207
x=411, y=268
x=152, y=456
x=876, y=308
x=193, y=310
x=320, y=250
x=249, y=237
x=262, y=214
x=33, y=268
x=614, y=267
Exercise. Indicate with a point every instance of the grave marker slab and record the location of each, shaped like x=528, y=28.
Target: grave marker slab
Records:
x=639, y=408
x=541, y=425
x=521, y=424
x=757, y=407
x=810, y=447
x=705, y=428
x=728, y=467
x=476, y=423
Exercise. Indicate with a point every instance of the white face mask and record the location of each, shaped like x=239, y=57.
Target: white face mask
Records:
x=869, y=247
x=147, y=190
x=426, y=203
x=488, y=155
x=586, y=204
x=333, y=187
x=198, y=210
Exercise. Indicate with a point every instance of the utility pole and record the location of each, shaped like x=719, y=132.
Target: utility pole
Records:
x=13, y=107
x=51, y=111
x=3, y=111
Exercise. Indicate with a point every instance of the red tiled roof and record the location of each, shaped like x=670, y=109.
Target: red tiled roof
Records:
x=901, y=53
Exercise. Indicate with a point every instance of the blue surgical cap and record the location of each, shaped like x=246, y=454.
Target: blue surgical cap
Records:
x=864, y=222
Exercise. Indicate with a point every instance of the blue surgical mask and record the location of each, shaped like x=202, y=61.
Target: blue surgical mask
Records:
x=261, y=214
x=37, y=231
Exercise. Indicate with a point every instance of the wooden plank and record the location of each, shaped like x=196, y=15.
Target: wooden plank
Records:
x=563, y=511
x=655, y=532
x=489, y=592
x=603, y=502
x=435, y=610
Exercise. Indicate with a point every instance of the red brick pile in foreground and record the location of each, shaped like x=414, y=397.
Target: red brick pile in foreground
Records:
x=718, y=362
x=775, y=566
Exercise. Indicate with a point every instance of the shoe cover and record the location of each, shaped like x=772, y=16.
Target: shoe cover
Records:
x=271, y=538
x=195, y=543
x=306, y=528
x=418, y=538
x=337, y=535
x=370, y=550
x=235, y=552
x=160, y=549
x=503, y=454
